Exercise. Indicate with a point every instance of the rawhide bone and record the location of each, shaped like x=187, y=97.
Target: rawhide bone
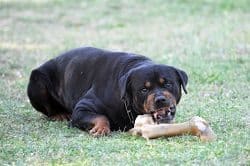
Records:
x=147, y=128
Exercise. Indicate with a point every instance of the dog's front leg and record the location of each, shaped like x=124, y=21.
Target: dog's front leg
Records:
x=85, y=118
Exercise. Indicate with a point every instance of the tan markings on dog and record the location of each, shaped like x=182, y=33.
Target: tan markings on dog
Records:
x=149, y=103
x=100, y=126
x=168, y=95
x=161, y=80
x=147, y=84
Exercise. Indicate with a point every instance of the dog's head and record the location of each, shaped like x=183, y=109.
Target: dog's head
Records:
x=154, y=89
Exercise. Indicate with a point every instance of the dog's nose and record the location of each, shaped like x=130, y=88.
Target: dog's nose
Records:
x=162, y=101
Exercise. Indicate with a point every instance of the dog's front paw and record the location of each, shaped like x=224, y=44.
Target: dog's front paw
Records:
x=100, y=130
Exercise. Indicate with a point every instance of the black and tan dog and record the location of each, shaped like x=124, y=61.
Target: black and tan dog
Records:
x=99, y=90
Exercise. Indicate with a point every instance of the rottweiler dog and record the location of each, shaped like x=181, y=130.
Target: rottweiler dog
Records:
x=101, y=91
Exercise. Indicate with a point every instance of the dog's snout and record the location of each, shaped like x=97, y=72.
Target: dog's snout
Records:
x=162, y=101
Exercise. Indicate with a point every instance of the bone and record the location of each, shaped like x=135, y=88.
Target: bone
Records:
x=196, y=126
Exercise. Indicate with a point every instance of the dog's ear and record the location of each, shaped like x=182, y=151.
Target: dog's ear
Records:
x=183, y=79
x=124, y=86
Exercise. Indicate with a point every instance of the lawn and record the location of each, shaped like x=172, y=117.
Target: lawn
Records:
x=208, y=39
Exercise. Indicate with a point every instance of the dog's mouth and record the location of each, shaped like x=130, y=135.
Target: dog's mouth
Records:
x=164, y=114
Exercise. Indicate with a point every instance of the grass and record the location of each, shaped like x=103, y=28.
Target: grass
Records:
x=209, y=39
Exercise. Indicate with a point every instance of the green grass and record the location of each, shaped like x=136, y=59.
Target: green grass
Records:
x=209, y=39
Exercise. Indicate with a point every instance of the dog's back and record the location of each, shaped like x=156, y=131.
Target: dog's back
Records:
x=56, y=86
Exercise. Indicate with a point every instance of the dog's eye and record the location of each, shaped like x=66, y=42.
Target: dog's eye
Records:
x=168, y=85
x=144, y=90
